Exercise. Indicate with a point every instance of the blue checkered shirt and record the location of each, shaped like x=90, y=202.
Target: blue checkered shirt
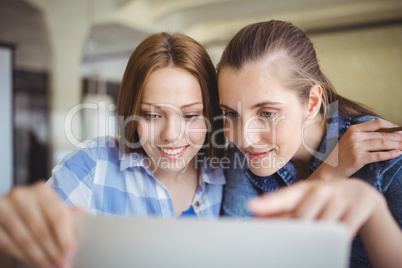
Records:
x=104, y=181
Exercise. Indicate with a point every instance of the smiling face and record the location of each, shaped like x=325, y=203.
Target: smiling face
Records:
x=172, y=127
x=263, y=118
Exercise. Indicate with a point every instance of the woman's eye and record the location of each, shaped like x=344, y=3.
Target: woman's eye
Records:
x=267, y=114
x=191, y=116
x=151, y=116
x=230, y=114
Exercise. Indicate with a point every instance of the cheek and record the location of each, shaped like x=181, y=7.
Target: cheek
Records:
x=230, y=130
x=283, y=134
x=288, y=132
x=196, y=132
x=146, y=133
x=142, y=131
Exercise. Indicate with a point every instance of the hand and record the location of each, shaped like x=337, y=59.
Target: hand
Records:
x=36, y=227
x=360, y=145
x=351, y=201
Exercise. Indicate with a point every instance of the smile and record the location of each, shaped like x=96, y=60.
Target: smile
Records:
x=255, y=155
x=173, y=153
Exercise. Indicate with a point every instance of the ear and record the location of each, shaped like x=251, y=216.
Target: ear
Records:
x=314, y=102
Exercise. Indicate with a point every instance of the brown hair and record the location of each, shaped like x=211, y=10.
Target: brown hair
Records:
x=283, y=44
x=168, y=50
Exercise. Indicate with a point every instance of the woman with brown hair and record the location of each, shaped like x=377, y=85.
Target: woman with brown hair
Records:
x=285, y=117
x=167, y=104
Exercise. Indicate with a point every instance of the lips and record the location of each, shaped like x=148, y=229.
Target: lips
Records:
x=257, y=155
x=172, y=152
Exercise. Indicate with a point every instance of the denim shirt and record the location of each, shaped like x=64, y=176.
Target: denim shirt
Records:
x=242, y=184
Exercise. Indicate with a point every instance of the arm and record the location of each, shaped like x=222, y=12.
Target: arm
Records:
x=353, y=202
x=360, y=145
x=36, y=227
x=382, y=238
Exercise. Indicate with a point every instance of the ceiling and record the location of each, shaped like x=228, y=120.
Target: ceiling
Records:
x=115, y=27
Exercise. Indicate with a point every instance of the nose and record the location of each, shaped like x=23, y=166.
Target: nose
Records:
x=251, y=130
x=173, y=130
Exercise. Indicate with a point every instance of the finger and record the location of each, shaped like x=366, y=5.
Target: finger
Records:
x=10, y=248
x=380, y=144
x=33, y=214
x=61, y=224
x=394, y=137
x=352, y=223
x=19, y=232
x=313, y=203
x=372, y=125
x=334, y=210
x=372, y=157
x=283, y=200
x=354, y=219
x=280, y=215
x=79, y=210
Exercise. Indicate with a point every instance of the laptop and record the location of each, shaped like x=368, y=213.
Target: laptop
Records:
x=154, y=242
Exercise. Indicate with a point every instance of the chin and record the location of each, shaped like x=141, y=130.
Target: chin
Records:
x=263, y=172
x=266, y=166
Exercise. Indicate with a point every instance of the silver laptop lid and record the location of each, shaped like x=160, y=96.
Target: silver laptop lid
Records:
x=154, y=242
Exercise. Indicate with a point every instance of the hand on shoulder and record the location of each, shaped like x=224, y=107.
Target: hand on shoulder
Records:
x=359, y=146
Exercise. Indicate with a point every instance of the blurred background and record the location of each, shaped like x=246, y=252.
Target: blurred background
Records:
x=70, y=52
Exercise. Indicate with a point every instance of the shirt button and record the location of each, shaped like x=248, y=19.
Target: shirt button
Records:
x=197, y=204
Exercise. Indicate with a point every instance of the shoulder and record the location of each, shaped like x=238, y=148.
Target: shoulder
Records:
x=391, y=174
x=365, y=118
x=211, y=172
x=87, y=156
x=96, y=148
x=73, y=177
x=381, y=174
x=362, y=119
x=384, y=175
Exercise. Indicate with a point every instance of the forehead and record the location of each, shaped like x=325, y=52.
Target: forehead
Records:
x=254, y=82
x=171, y=85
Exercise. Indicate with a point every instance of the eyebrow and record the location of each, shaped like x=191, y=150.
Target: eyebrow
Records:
x=223, y=106
x=258, y=105
x=182, y=107
x=262, y=104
